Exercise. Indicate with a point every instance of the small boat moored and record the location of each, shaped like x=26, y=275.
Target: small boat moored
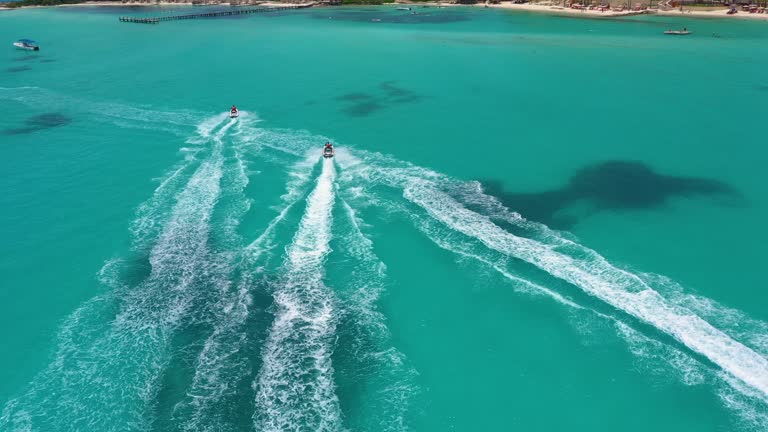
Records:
x=328, y=150
x=677, y=32
x=233, y=112
x=26, y=44
x=404, y=8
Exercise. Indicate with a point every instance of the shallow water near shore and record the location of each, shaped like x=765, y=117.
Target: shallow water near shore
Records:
x=532, y=222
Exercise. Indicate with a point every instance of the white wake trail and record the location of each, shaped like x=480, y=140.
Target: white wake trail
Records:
x=616, y=287
x=702, y=326
x=295, y=390
x=102, y=373
x=368, y=349
x=151, y=213
x=220, y=365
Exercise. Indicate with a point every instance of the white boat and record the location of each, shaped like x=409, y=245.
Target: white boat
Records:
x=234, y=113
x=404, y=8
x=26, y=44
x=328, y=150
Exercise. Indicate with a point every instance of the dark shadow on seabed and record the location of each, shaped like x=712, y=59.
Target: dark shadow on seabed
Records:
x=387, y=94
x=611, y=185
x=17, y=69
x=40, y=122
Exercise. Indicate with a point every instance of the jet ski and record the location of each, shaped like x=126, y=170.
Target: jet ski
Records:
x=328, y=150
x=234, y=113
x=26, y=44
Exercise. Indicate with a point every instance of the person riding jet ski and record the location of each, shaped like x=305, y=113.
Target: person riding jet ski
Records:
x=328, y=150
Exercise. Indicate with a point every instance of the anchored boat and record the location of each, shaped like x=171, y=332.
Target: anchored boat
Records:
x=26, y=44
x=682, y=32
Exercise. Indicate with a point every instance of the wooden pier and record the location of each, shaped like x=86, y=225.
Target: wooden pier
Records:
x=157, y=20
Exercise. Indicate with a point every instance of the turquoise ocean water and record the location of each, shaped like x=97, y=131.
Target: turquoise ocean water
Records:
x=532, y=223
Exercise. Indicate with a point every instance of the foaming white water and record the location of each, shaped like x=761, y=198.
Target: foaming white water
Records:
x=207, y=126
x=466, y=251
x=288, y=142
x=753, y=332
x=235, y=181
x=151, y=213
x=183, y=241
x=653, y=356
x=295, y=388
x=220, y=367
x=107, y=377
x=386, y=371
x=595, y=276
x=741, y=398
x=666, y=359
x=701, y=326
x=299, y=177
x=678, y=363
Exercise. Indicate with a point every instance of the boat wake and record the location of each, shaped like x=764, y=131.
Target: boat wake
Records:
x=295, y=388
x=364, y=343
x=173, y=344
x=220, y=367
x=218, y=319
x=462, y=218
x=112, y=351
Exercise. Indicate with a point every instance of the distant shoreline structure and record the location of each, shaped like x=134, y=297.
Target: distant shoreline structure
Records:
x=618, y=8
x=593, y=9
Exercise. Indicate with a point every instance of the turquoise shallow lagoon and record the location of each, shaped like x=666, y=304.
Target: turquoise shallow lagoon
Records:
x=532, y=222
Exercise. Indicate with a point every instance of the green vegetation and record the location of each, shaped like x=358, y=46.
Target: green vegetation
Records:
x=21, y=3
x=366, y=2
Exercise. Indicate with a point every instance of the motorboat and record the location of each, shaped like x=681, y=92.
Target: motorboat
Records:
x=404, y=8
x=234, y=113
x=328, y=150
x=26, y=44
x=677, y=32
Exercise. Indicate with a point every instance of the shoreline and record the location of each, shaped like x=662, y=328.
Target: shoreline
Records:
x=561, y=10
x=545, y=7
x=610, y=13
x=154, y=4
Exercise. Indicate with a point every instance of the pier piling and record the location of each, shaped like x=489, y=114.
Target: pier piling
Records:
x=157, y=20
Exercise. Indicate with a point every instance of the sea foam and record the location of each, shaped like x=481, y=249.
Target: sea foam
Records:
x=295, y=388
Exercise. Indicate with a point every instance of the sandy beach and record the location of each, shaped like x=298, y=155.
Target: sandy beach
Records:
x=544, y=7
x=719, y=13
x=560, y=10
